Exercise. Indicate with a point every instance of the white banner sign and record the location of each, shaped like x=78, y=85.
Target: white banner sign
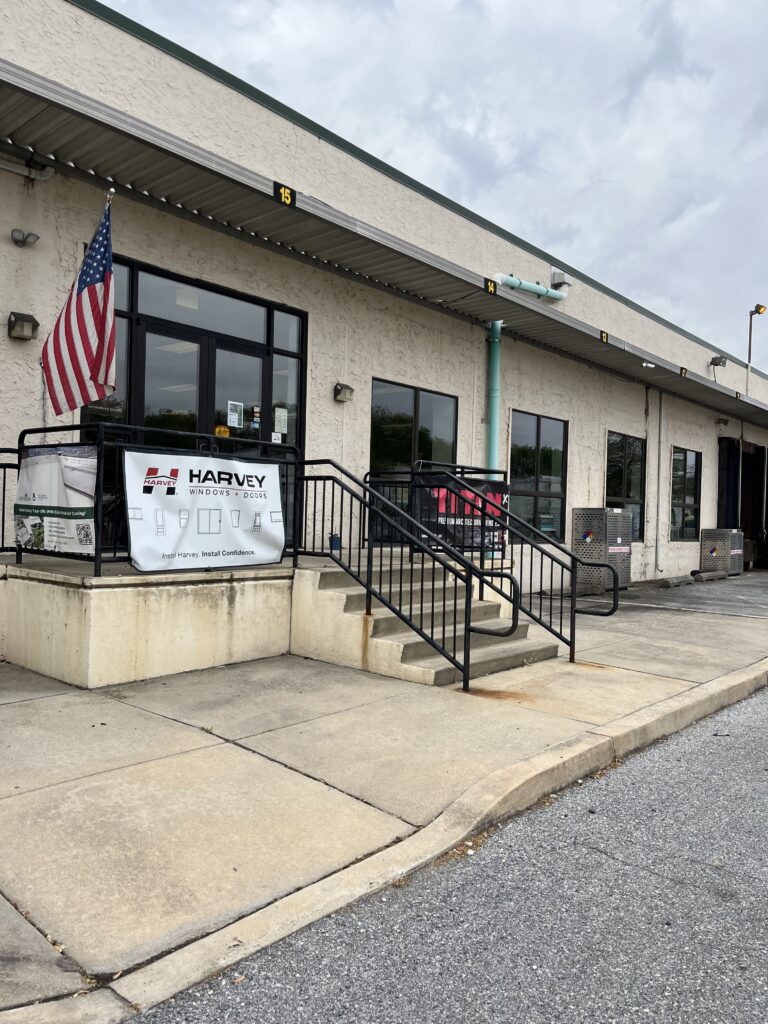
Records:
x=53, y=510
x=193, y=512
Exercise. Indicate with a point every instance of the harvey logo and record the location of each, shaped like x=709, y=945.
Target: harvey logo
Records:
x=154, y=479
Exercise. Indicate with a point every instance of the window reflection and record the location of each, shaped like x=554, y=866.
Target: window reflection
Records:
x=287, y=331
x=113, y=408
x=199, y=307
x=624, y=477
x=437, y=427
x=537, y=472
x=392, y=417
x=121, y=282
x=237, y=404
x=171, y=383
x=285, y=398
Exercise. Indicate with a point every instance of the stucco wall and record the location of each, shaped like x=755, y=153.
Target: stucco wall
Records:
x=355, y=333
x=98, y=59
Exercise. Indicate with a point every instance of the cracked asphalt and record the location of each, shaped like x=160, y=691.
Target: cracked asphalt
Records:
x=638, y=895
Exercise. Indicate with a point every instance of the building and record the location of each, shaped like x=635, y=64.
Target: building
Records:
x=261, y=259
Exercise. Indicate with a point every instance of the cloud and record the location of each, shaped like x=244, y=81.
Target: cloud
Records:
x=627, y=138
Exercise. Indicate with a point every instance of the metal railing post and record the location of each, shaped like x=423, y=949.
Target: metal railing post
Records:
x=572, y=629
x=467, y=633
x=98, y=510
x=482, y=550
x=369, y=561
x=296, y=514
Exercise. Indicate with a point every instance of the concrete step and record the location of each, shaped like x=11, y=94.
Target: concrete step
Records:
x=385, y=623
x=415, y=648
x=497, y=657
x=442, y=596
x=338, y=579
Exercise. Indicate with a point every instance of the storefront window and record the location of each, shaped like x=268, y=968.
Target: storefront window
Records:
x=203, y=308
x=685, y=512
x=537, y=472
x=114, y=408
x=410, y=424
x=287, y=331
x=625, y=477
x=285, y=398
x=194, y=359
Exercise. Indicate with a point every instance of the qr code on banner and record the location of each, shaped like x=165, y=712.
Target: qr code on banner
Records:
x=84, y=533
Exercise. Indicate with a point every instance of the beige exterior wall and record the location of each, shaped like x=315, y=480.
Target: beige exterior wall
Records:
x=355, y=332
x=95, y=58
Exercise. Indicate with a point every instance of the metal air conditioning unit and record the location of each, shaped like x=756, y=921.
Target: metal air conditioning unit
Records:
x=602, y=535
x=722, y=551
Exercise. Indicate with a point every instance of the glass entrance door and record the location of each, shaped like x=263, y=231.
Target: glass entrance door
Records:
x=201, y=385
x=172, y=374
x=238, y=398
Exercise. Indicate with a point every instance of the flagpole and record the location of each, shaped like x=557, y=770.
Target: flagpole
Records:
x=110, y=196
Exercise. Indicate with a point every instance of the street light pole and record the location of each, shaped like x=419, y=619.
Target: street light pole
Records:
x=757, y=311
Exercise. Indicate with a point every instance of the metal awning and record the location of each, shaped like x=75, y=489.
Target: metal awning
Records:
x=48, y=124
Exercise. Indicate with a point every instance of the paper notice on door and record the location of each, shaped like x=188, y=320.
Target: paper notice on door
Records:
x=281, y=419
x=235, y=414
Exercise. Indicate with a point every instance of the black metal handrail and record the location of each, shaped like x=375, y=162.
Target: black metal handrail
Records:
x=110, y=520
x=557, y=608
x=327, y=514
x=9, y=463
x=337, y=508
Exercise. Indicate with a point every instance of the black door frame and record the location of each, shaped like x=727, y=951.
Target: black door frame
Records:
x=210, y=341
x=209, y=345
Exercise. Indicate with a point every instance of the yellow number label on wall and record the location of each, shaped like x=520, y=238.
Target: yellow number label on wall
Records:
x=490, y=285
x=284, y=194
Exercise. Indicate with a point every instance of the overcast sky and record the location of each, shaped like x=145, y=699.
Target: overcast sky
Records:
x=628, y=138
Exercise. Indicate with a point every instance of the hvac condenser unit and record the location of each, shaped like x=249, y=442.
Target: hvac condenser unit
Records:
x=602, y=535
x=722, y=551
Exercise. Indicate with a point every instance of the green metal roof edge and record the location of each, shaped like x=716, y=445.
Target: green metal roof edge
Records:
x=147, y=35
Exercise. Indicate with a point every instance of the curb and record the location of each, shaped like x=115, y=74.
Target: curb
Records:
x=642, y=728
x=501, y=794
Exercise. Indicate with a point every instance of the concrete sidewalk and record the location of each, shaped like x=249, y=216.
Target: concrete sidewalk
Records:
x=152, y=833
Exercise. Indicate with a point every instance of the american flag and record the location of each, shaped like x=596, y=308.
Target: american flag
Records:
x=79, y=353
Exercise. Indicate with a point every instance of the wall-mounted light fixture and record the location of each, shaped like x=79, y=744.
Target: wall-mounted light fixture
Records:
x=22, y=326
x=343, y=392
x=649, y=366
x=718, y=361
x=24, y=238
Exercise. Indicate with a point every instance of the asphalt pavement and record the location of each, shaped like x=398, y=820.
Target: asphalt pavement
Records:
x=638, y=895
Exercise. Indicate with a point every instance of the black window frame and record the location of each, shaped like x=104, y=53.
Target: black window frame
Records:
x=694, y=506
x=624, y=500
x=140, y=323
x=416, y=409
x=537, y=493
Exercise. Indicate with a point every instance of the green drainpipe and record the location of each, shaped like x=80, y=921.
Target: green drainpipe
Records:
x=494, y=392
